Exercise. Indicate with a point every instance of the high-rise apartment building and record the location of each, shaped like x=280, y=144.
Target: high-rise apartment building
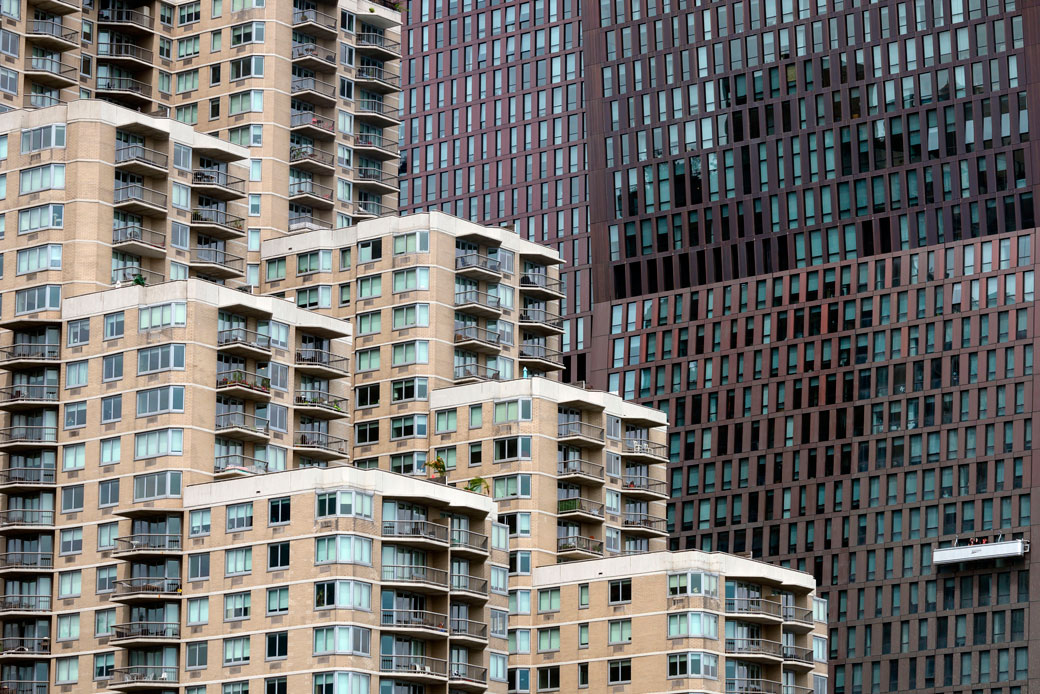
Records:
x=493, y=130
x=815, y=252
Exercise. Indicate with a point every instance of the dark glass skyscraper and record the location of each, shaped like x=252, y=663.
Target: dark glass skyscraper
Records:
x=813, y=245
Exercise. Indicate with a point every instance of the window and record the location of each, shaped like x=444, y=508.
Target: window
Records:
x=78, y=332
x=106, y=579
x=619, y=671
x=151, y=444
x=43, y=298
x=411, y=316
x=104, y=621
x=693, y=665
x=343, y=549
x=41, y=258
x=199, y=522
x=41, y=217
x=277, y=645
x=44, y=137
x=108, y=493
x=66, y=670
x=278, y=511
x=71, y=541
x=198, y=566
x=548, y=678
x=76, y=374
x=72, y=498
x=408, y=389
x=238, y=561
x=343, y=593
x=106, y=534
x=278, y=600
x=408, y=426
x=252, y=32
x=239, y=517
x=114, y=325
x=248, y=101
x=369, y=251
x=189, y=13
x=549, y=600
x=198, y=610
x=446, y=421
x=369, y=287
x=342, y=639
x=112, y=367
x=620, y=591
x=619, y=631
x=512, y=487
x=278, y=556
x=411, y=279
x=413, y=352
x=111, y=449
x=162, y=316
x=69, y=584
x=236, y=606
x=369, y=323
x=513, y=448
x=513, y=411
x=276, y=269
x=75, y=415
x=236, y=650
x=344, y=503
x=160, y=400
x=74, y=456
x=196, y=655
x=548, y=639
x=413, y=242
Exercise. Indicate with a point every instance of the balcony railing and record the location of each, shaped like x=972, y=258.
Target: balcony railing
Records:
x=415, y=529
x=28, y=475
x=314, y=17
x=137, y=233
x=469, y=539
x=467, y=627
x=375, y=140
x=137, y=275
x=53, y=28
x=579, y=505
x=320, y=398
x=467, y=672
x=311, y=188
x=472, y=584
x=29, y=434
x=215, y=256
x=138, y=193
x=150, y=630
x=468, y=333
x=753, y=606
x=646, y=522
x=146, y=674
x=23, y=687
x=477, y=261
x=27, y=392
x=31, y=350
x=115, y=16
x=148, y=586
x=532, y=350
x=541, y=316
x=124, y=50
x=577, y=466
x=413, y=665
x=246, y=338
x=377, y=74
x=141, y=153
x=376, y=209
x=793, y=613
x=27, y=645
x=372, y=39
x=149, y=541
x=312, y=84
x=579, y=428
x=27, y=560
x=124, y=84
x=478, y=371
x=213, y=177
x=415, y=574
x=25, y=603
x=422, y=619
x=241, y=420
x=303, y=118
x=372, y=174
x=213, y=215
x=299, y=222
x=644, y=447
x=319, y=439
x=753, y=647
x=26, y=516
x=378, y=107
x=239, y=463
x=534, y=279
x=798, y=653
x=299, y=153
x=642, y=482
x=52, y=66
x=244, y=379
x=472, y=296
x=580, y=544
x=322, y=358
x=752, y=686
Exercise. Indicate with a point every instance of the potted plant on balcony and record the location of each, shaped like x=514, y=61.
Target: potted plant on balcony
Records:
x=437, y=469
x=478, y=485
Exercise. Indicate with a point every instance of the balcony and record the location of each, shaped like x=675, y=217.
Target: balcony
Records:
x=218, y=223
x=578, y=547
x=28, y=437
x=644, y=487
x=133, y=274
x=311, y=158
x=214, y=262
x=147, y=588
x=752, y=686
x=24, y=646
x=312, y=124
x=417, y=532
x=541, y=321
x=375, y=179
x=126, y=19
x=244, y=343
x=644, y=524
x=24, y=396
x=377, y=79
x=644, y=449
x=134, y=91
x=477, y=339
x=468, y=542
x=315, y=21
x=26, y=561
x=541, y=286
x=466, y=373
x=314, y=57
x=52, y=33
x=139, y=199
x=318, y=362
x=420, y=623
x=26, y=519
x=374, y=145
x=125, y=51
x=23, y=687
x=468, y=587
x=218, y=184
x=142, y=544
x=798, y=657
x=26, y=478
x=29, y=354
x=478, y=303
x=138, y=240
x=478, y=267
x=580, y=432
x=142, y=160
x=754, y=650
x=144, y=677
x=24, y=604
x=50, y=71
x=414, y=667
x=314, y=90
x=980, y=551
x=386, y=115
x=798, y=619
x=371, y=208
x=371, y=42
x=242, y=426
x=468, y=629
x=755, y=609
x=466, y=676
x=145, y=632
x=301, y=223
x=321, y=445
x=311, y=193
x=416, y=577
x=577, y=507
x=31, y=101
x=579, y=469
x=238, y=465
x=541, y=356
x=319, y=403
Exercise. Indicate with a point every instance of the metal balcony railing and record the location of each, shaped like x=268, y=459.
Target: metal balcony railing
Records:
x=52, y=66
x=318, y=357
x=25, y=392
x=313, y=50
x=752, y=686
x=149, y=541
x=148, y=586
x=53, y=28
x=320, y=398
x=423, y=619
x=25, y=603
x=127, y=153
x=472, y=584
x=478, y=371
x=314, y=17
x=31, y=350
x=646, y=522
x=477, y=261
x=469, y=539
x=212, y=177
x=239, y=463
x=137, y=275
x=137, y=233
x=27, y=645
x=753, y=647
x=29, y=434
x=413, y=665
x=27, y=560
x=579, y=505
x=298, y=153
x=300, y=119
x=415, y=529
x=532, y=350
x=319, y=439
x=145, y=674
x=215, y=256
x=23, y=687
x=376, y=209
x=124, y=84
x=381, y=108
x=124, y=50
x=542, y=317
x=116, y=16
x=578, y=543
x=150, y=630
x=310, y=188
x=644, y=483
x=753, y=606
x=467, y=333
x=28, y=475
x=367, y=39
x=241, y=420
x=213, y=215
x=577, y=466
x=644, y=447
x=579, y=428
x=377, y=74
x=138, y=193
x=375, y=140
x=467, y=627
x=241, y=336
x=415, y=574
x=312, y=84
x=535, y=279
x=473, y=296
